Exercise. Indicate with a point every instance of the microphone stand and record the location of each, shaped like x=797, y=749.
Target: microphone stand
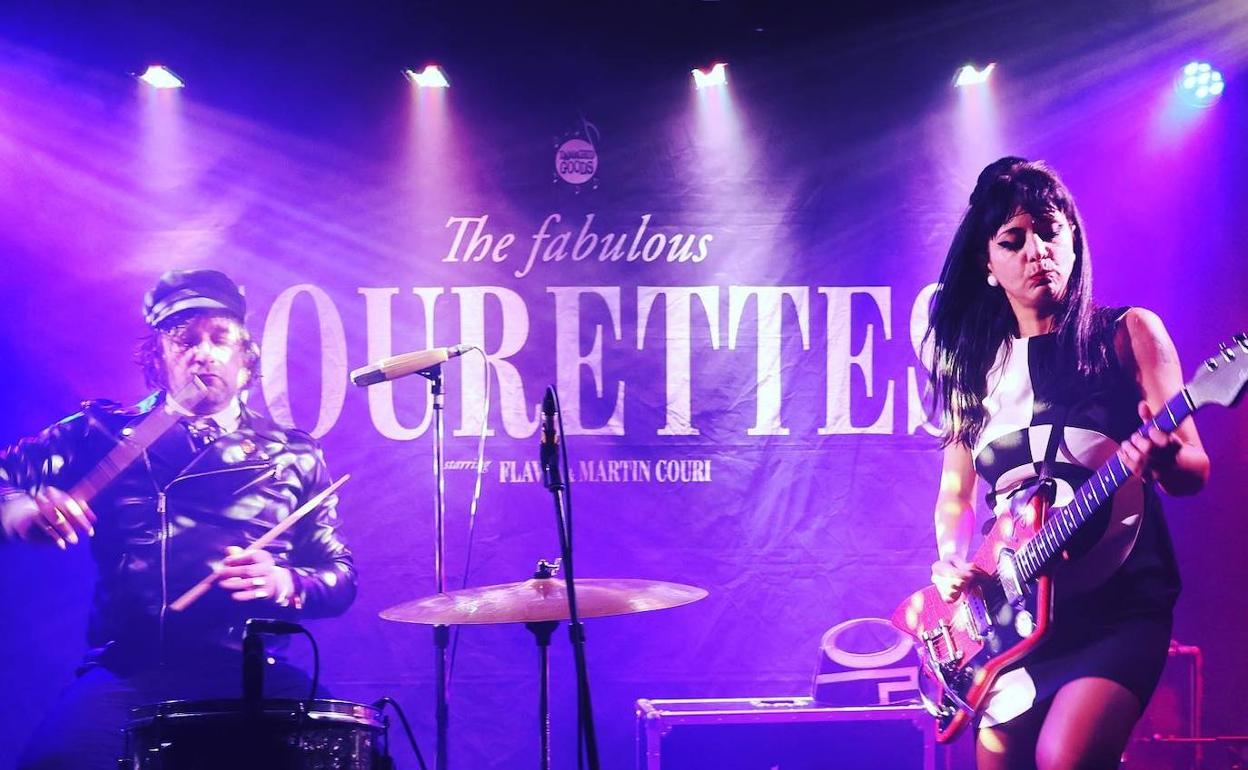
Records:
x=441, y=634
x=553, y=479
x=389, y=369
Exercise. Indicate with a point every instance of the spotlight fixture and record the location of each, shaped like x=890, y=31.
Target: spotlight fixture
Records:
x=717, y=75
x=159, y=76
x=968, y=75
x=1198, y=84
x=431, y=77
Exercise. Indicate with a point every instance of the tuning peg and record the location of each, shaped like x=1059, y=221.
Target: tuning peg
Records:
x=1227, y=352
x=1242, y=339
x=1211, y=364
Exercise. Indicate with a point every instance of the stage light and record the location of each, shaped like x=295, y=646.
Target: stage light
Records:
x=717, y=75
x=158, y=76
x=431, y=77
x=1198, y=84
x=969, y=76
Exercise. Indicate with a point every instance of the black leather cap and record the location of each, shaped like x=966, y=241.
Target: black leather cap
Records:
x=180, y=290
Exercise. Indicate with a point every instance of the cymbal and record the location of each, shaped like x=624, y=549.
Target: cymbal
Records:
x=542, y=599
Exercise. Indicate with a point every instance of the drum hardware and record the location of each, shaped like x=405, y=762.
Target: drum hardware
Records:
x=540, y=603
x=539, y=599
x=386, y=762
x=554, y=450
x=261, y=733
x=242, y=735
x=253, y=654
x=542, y=631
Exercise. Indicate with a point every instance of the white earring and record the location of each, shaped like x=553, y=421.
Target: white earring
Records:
x=992, y=280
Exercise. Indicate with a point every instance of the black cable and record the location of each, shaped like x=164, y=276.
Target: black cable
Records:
x=385, y=700
x=316, y=664
x=567, y=475
x=586, y=738
x=472, y=511
x=567, y=534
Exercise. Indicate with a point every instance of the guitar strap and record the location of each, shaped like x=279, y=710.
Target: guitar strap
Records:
x=1047, y=477
x=1055, y=438
x=1045, y=481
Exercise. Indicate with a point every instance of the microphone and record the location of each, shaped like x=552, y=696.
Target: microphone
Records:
x=550, y=442
x=253, y=652
x=270, y=626
x=394, y=367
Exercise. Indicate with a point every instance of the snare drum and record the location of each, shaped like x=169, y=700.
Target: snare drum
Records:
x=287, y=734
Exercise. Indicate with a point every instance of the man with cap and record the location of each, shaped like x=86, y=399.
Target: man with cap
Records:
x=186, y=506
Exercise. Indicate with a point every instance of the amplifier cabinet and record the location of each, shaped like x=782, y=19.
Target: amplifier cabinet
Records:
x=1165, y=737
x=784, y=733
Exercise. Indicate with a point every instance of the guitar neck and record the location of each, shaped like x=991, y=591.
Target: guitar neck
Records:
x=130, y=446
x=125, y=452
x=1064, y=522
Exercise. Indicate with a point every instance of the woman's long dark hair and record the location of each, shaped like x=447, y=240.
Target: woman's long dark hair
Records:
x=970, y=320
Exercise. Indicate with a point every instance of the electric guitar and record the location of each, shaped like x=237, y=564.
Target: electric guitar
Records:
x=964, y=644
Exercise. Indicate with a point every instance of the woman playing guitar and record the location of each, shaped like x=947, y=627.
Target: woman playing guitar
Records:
x=1035, y=379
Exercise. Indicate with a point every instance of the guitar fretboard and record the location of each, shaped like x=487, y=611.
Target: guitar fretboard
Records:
x=131, y=446
x=1063, y=522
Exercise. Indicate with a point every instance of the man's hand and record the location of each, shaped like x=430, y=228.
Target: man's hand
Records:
x=51, y=515
x=251, y=575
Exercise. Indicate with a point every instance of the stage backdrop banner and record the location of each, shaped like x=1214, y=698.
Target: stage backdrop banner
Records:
x=728, y=289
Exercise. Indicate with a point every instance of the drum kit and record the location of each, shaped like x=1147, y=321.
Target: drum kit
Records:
x=313, y=734
x=328, y=734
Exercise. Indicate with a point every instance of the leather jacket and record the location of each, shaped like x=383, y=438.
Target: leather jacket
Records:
x=165, y=521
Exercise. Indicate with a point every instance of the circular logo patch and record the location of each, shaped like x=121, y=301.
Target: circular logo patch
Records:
x=576, y=161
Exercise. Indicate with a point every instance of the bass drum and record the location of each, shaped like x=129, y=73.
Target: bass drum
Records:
x=267, y=734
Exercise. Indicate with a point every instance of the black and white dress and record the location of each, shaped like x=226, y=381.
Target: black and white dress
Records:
x=1115, y=594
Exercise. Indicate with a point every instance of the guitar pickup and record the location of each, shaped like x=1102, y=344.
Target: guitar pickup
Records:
x=975, y=610
x=1008, y=577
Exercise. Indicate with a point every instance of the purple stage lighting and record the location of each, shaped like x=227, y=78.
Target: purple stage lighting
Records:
x=717, y=75
x=158, y=76
x=430, y=77
x=1199, y=84
x=967, y=75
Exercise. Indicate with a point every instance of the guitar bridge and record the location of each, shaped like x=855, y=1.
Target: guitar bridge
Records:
x=941, y=649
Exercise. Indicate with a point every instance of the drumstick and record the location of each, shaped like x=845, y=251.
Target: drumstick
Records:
x=200, y=588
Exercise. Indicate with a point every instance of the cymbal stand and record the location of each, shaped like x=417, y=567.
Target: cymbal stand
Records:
x=542, y=631
x=441, y=634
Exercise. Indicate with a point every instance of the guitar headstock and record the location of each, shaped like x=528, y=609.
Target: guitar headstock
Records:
x=1223, y=378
